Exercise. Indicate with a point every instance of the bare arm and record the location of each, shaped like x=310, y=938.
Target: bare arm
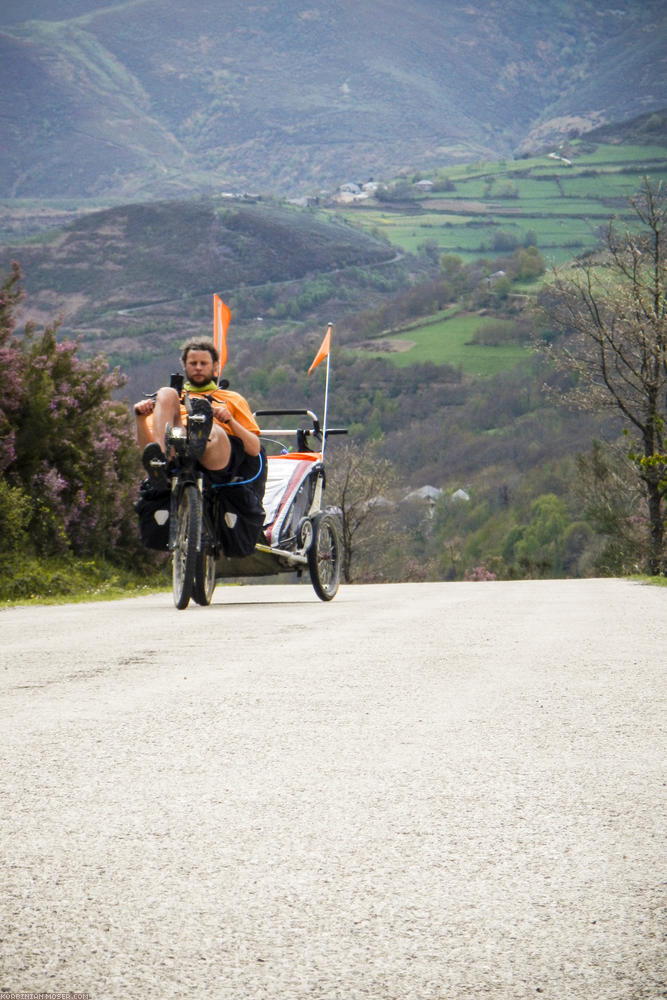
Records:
x=251, y=443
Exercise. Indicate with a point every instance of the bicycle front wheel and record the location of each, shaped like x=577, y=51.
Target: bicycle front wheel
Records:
x=188, y=533
x=204, y=583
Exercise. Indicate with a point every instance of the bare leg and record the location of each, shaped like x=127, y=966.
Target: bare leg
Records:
x=144, y=433
x=209, y=441
x=167, y=411
x=218, y=450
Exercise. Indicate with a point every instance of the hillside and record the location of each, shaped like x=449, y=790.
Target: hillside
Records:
x=134, y=281
x=141, y=255
x=560, y=201
x=432, y=359
x=153, y=98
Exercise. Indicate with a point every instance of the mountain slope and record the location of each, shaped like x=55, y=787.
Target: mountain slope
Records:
x=157, y=98
x=136, y=280
x=140, y=255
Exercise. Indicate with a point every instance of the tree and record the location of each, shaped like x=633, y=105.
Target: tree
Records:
x=540, y=547
x=429, y=249
x=357, y=479
x=504, y=240
x=528, y=264
x=609, y=492
x=611, y=308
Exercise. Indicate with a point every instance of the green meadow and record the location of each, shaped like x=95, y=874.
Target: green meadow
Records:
x=447, y=341
x=561, y=202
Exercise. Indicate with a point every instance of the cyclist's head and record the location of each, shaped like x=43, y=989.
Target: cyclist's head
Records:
x=199, y=344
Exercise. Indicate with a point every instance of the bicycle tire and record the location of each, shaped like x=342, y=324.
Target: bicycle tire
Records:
x=325, y=555
x=188, y=529
x=204, y=582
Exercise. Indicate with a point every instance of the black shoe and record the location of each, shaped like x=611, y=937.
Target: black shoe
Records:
x=155, y=464
x=200, y=422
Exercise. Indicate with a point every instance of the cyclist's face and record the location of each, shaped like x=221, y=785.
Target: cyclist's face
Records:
x=199, y=367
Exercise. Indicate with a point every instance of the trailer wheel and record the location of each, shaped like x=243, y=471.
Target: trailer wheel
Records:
x=325, y=555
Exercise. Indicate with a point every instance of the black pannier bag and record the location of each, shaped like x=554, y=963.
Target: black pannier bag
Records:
x=239, y=513
x=239, y=519
x=152, y=509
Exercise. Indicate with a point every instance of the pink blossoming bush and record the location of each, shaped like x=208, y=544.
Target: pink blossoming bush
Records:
x=67, y=454
x=480, y=573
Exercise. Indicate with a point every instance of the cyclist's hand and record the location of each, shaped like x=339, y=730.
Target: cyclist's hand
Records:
x=144, y=407
x=222, y=413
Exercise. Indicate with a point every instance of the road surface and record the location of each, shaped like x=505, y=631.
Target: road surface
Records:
x=415, y=792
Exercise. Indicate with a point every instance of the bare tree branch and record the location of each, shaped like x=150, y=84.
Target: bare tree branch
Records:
x=610, y=311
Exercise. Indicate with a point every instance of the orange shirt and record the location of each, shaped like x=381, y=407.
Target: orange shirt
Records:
x=235, y=403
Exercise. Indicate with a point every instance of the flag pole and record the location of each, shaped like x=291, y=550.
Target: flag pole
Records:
x=324, y=352
x=326, y=405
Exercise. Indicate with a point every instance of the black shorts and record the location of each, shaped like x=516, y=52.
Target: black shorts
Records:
x=241, y=468
x=238, y=492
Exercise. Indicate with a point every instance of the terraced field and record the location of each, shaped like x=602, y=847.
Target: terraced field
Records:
x=559, y=201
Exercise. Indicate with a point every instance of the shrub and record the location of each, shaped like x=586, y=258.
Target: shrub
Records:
x=68, y=457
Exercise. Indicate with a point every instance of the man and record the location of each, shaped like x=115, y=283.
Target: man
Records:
x=224, y=437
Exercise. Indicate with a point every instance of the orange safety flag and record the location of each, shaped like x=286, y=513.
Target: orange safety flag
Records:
x=221, y=317
x=323, y=352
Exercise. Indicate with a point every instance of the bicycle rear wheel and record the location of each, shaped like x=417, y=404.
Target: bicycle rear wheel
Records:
x=188, y=533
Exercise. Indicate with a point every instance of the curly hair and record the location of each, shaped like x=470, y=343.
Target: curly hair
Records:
x=197, y=344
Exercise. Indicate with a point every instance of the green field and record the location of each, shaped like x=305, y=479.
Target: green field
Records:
x=446, y=341
x=561, y=200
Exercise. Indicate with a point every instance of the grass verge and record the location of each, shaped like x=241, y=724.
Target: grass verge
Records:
x=58, y=581
x=655, y=581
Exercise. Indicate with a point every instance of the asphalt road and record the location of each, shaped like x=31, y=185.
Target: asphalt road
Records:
x=415, y=792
